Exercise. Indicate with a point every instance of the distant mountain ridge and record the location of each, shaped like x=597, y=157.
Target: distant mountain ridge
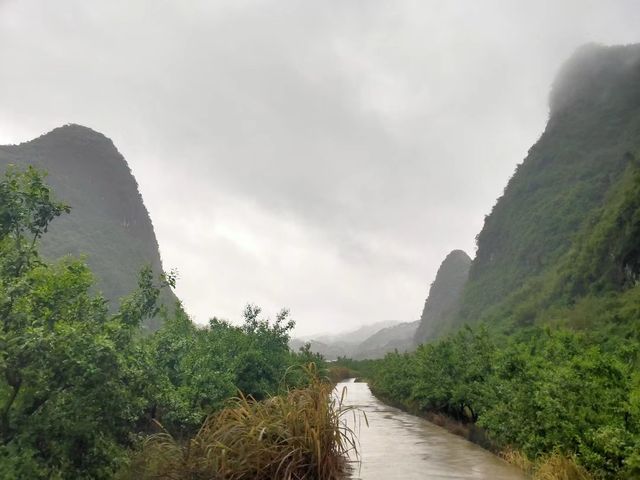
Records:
x=397, y=337
x=368, y=341
x=108, y=221
x=376, y=340
x=355, y=336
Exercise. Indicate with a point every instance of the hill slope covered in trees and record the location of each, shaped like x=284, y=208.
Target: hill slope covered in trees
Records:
x=592, y=133
x=108, y=222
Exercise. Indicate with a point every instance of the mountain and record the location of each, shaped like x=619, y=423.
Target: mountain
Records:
x=345, y=344
x=330, y=351
x=444, y=296
x=355, y=336
x=397, y=337
x=108, y=222
x=539, y=246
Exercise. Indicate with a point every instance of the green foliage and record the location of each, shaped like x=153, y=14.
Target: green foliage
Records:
x=450, y=376
x=541, y=391
x=364, y=369
x=201, y=367
x=593, y=286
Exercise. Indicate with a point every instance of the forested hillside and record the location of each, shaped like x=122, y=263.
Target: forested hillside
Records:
x=592, y=132
x=108, y=221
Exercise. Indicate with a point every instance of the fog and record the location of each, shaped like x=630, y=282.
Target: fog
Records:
x=319, y=156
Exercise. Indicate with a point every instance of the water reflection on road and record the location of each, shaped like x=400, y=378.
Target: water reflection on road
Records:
x=397, y=445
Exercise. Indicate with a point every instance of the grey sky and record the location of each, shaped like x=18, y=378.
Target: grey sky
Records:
x=322, y=156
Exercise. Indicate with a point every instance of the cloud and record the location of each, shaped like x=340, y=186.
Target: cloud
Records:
x=322, y=156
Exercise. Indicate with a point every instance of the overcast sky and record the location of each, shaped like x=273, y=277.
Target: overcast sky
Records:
x=322, y=156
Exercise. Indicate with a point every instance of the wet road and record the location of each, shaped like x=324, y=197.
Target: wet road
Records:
x=397, y=445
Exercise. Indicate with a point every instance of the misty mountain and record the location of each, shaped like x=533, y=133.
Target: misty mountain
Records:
x=355, y=336
x=330, y=351
x=444, y=295
x=539, y=245
x=108, y=222
x=397, y=337
x=334, y=345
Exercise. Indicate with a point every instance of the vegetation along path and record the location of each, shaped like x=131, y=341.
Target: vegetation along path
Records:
x=399, y=445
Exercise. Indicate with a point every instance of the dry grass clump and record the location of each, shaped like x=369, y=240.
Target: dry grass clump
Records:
x=560, y=467
x=555, y=466
x=300, y=435
x=338, y=373
x=518, y=459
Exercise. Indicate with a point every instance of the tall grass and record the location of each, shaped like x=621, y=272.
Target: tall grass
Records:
x=297, y=435
x=560, y=467
x=337, y=373
x=555, y=466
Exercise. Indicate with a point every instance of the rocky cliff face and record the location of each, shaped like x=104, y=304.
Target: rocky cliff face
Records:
x=108, y=222
x=444, y=296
